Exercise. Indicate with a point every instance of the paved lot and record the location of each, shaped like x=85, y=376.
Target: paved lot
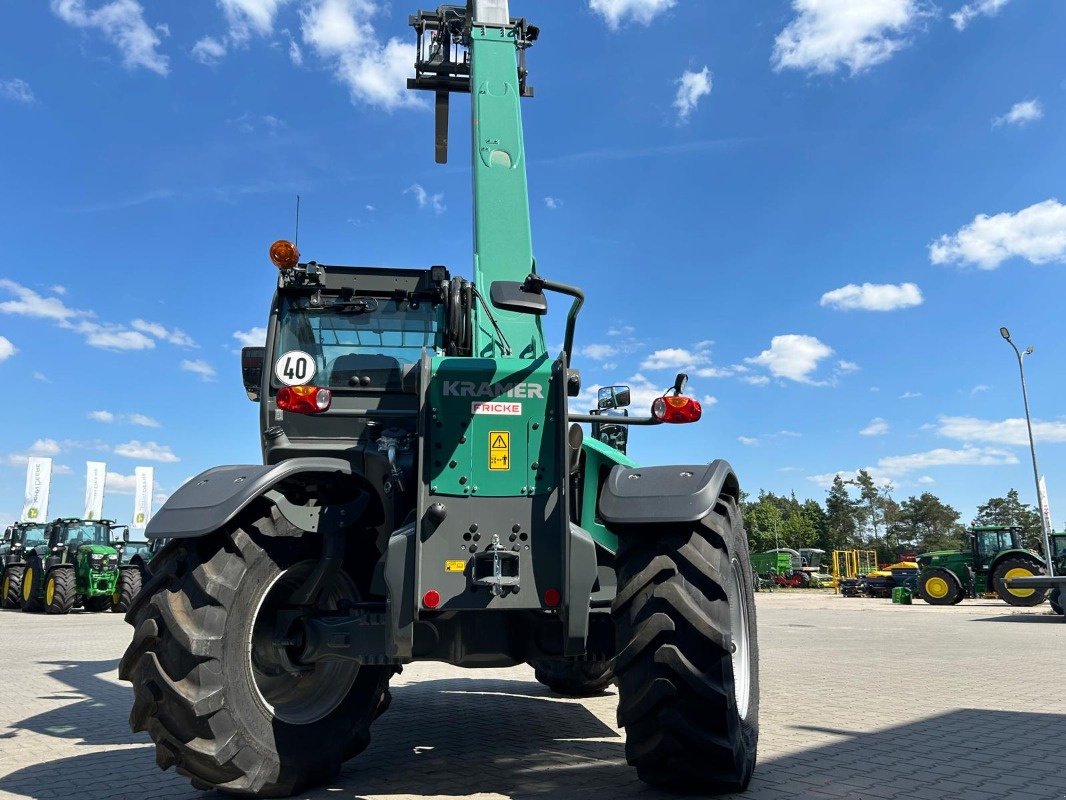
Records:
x=860, y=699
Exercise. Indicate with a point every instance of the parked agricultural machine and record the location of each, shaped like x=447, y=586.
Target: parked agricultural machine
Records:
x=77, y=566
x=20, y=541
x=428, y=495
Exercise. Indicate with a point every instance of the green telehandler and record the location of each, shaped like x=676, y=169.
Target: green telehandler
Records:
x=426, y=494
x=20, y=540
x=77, y=566
x=996, y=555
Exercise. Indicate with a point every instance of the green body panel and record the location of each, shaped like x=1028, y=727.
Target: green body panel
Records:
x=503, y=242
x=94, y=583
x=767, y=563
x=513, y=396
x=599, y=460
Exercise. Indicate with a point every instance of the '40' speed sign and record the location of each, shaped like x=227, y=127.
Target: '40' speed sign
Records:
x=295, y=368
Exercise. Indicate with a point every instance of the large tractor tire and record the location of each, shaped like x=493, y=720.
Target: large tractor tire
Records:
x=688, y=661
x=574, y=678
x=32, y=598
x=940, y=587
x=59, y=591
x=1017, y=567
x=127, y=587
x=11, y=587
x=211, y=687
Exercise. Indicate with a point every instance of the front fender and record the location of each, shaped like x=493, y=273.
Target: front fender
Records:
x=665, y=495
x=213, y=498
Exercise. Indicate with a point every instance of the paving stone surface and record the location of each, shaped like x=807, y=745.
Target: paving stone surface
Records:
x=860, y=699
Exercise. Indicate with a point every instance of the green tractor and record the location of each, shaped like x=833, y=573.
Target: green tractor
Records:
x=78, y=567
x=20, y=541
x=996, y=555
x=134, y=556
x=427, y=494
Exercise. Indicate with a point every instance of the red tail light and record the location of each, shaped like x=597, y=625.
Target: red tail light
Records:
x=677, y=409
x=304, y=399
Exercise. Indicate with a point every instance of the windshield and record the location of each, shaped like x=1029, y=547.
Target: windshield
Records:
x=78, y=534
x=359, y=342
x=33, y=535
x=130, y=549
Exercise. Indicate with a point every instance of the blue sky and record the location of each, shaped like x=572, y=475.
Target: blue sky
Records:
x=823, y=210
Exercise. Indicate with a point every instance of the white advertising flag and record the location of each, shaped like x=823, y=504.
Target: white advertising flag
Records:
x=95, y=475
x=38, y=481
x=142, y=501
x=1045, y=508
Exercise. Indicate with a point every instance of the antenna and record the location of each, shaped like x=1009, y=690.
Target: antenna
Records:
x=296, y=242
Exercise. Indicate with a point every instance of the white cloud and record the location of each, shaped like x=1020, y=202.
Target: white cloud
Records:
x=748, y=441
x=146, y=451
x=1036, y=233
x=117, y=483
x=615, y=12
x=598, y=352
x=175, y=336
x=756, y=380
x=978, y=389
x=893, y=468
x=553, y=203
x=31, y=304
x=122, y=23
x=965, y=15
x=621, y=330
x=829, y=34
x=6, y=348
x=296, y=55
x=340, y=32
x=910, y=395
x=18, y=90
x=847, y=367
x=253, y=337
x=113, y=337
x=793, y=356
x=102, y=416
x=877, y=427
x=209, y=51
x=1020, y=114
x=199, y=367
x=691, y=87
x=108, y=417
x=425, y=199
x=40, y=376
x=248, y=17
x=873, y=297
x=45, y=447
x=926, y=480
x=673, y=358
x=1007, y=431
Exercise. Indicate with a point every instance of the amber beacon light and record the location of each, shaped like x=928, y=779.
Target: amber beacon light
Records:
x=284, y=254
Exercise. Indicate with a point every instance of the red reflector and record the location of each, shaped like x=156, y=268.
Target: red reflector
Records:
x=304, y=399
x=677, y=409
x=431, y=599
x=552, y=598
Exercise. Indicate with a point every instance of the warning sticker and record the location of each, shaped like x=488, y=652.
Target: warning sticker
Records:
x=455, y=566
x=499, y=450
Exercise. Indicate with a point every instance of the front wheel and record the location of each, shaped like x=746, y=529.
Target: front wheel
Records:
x=574, y=678
x=940, y=587
x=213, y=689
x=32, y=599
x=59, y=591
x=127, y=587
x=1015, y=567
x=11, y=587
x=688, y=659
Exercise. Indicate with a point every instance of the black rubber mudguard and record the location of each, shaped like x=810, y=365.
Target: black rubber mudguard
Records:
x=213, y=498
x=672, y=494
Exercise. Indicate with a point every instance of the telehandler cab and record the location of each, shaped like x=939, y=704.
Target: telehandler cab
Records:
x=426, y=494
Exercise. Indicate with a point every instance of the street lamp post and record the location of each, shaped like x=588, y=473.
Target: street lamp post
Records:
x=1032, y=447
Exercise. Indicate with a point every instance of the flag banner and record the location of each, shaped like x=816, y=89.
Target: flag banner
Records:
x=38, y=482
x=1045, y=508
x=95, y=476
x=142, y=502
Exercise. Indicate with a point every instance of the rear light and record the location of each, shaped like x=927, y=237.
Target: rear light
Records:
x=552, y=598
x=304, y=399
x=677, y=409
x=431, y=599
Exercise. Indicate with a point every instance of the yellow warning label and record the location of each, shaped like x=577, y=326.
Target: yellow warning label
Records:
x=499, y=450
x=455, y=566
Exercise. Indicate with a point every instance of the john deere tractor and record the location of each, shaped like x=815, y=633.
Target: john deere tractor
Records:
x=20, y=541
x=78, y=567
x=134, y=556
x=996, y=555
x=427, y=494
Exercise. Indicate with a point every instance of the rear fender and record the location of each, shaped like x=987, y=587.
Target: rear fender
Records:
x=671, y=495
x=214, y=498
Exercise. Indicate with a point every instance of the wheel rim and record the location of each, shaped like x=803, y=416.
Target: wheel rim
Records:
x=50, y=591
x=741, y=646
x=6, y=588
x=1019, y=572
x=936, y=587
x=27, y=584
x=116, y=597
x=306, y=697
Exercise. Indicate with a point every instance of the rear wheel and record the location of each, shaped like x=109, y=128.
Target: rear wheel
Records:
x=213, y=690
x=59, y=592
x=1017, y=567
x=940, y=587
x=574, y=678
x=11, y=587
x=32, y=597
x=127, y=587
x=688, y=660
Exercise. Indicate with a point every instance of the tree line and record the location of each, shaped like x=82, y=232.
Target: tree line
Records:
x=859, y=514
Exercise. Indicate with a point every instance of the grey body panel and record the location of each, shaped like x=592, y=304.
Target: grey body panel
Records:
x=213, y=498
x=667, y=494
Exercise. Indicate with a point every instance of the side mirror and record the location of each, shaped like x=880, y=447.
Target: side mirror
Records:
x=252, y=359
x=515, y=296
x=613, y=397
